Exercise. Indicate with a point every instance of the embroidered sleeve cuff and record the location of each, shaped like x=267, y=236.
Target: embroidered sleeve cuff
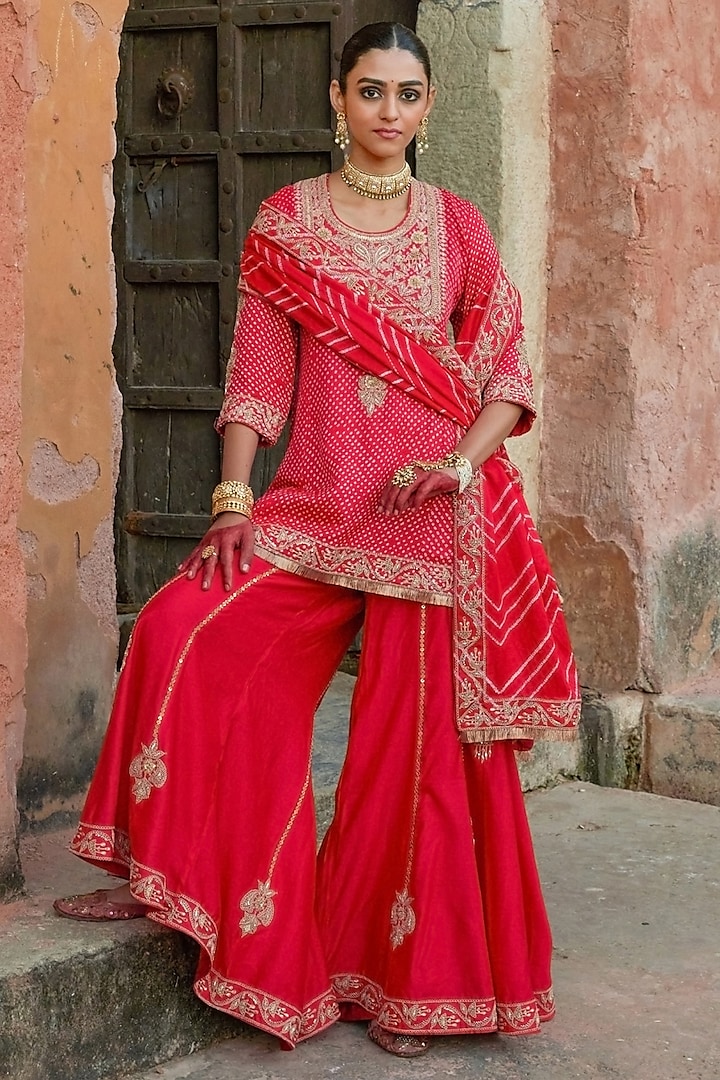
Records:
x=261, y=416
x=515, y=392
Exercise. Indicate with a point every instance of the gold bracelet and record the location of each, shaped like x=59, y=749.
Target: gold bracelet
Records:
x=234, y=506
x=453, y=460
x=232, y=495
x=232, y=489
x=464, y=469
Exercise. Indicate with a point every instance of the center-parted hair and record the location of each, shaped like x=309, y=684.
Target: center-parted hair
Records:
x=384, y=36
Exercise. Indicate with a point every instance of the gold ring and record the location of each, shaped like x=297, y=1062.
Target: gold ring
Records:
x=404, y=477
x=208, y=552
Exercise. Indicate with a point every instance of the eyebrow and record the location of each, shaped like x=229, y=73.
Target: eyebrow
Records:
x=379, y=82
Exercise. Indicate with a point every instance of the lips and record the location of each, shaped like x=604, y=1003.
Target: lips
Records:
x=387, y=133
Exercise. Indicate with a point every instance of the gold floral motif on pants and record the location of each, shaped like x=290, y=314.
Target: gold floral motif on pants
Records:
x=402, y=914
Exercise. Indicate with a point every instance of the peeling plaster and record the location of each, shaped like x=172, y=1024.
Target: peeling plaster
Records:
x=54, y=480
x=96, y=578
x=87, y=18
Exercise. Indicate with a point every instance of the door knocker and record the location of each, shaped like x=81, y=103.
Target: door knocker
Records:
x=175, y=90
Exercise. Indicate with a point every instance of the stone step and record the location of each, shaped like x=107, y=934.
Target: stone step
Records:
x=86, y=1002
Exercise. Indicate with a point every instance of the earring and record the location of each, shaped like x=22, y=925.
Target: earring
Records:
x=342, y=135
x=421, y=136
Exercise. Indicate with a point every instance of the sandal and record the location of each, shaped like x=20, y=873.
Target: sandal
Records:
x=95, y=907
x=406, y=1046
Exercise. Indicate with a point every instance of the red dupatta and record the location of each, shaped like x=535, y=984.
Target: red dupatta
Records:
x=515, y=674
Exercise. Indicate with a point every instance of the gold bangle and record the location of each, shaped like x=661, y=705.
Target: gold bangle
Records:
x=232, y=495
x=235, y=506
x=232, y=489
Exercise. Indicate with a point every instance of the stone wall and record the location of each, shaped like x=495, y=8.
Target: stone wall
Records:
x=71, y=406
x=16, y=91
x=634, y=336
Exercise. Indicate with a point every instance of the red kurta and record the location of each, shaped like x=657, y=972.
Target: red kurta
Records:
x=351, y=430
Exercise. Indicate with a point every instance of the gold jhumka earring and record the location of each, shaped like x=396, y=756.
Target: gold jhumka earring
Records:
x=421, y=136
x=342, y=135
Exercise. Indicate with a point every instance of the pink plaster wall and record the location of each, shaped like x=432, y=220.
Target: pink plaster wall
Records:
x=71, y=405
x=629, y=494
x=674, y=259
x=15, y=99
x=586, y=513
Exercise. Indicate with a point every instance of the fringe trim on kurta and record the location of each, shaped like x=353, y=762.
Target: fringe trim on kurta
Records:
x=379, y=588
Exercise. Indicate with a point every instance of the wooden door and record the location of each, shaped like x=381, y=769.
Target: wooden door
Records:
x=219, y=104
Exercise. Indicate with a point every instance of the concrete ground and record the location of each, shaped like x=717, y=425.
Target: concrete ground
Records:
x=632, y=883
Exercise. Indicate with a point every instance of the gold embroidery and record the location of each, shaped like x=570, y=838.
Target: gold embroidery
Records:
x=402, y=916
x=459, y=1016
x=483, y=715
x=148, y=769
x=372, y=391
x=258, y=903
x=102, y=843
x=267, y=1012
x=419, y=580
x=245, y=1002
x=259, y=415
x=258, y=907
x=377, y=264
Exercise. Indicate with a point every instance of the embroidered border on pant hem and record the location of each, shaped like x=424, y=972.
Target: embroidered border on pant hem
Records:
x=462, y=1016
x=176, y=911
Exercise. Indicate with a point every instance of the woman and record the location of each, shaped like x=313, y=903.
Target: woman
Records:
x=395, y=507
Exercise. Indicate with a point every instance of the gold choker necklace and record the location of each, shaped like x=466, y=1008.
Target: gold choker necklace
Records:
x=376, y=187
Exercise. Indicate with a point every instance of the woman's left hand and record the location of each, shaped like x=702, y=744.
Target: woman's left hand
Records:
x=396, y=500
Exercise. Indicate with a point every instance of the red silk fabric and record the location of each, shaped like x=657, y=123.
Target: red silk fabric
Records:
x=424, y=909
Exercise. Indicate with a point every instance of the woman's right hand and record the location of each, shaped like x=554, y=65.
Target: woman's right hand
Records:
x=228, y=533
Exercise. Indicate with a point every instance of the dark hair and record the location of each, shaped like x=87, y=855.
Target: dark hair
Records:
x=384, y=36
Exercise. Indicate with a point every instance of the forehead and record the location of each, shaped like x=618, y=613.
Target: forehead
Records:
x=389, y=66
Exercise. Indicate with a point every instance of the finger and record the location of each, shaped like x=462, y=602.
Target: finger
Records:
x=208, y=571
x=192, y=564
x=386, y=504
x=227, y=553
x=406, y=495
x=247, y=549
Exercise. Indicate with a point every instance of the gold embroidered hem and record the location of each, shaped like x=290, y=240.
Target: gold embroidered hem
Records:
x=552, y=734
x=266, y=1012
x=463, y=1016
x=101, y=843
x=347, y=581
x=247, y=1003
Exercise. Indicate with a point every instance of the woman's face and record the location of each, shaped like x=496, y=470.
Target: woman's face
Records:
x=386, y=97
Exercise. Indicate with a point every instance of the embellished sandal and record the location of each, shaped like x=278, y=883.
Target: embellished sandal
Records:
x=406, y=1046
x=95, y=907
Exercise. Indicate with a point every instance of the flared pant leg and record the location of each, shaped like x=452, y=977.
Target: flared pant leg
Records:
x=429, y=903
x=202, y=795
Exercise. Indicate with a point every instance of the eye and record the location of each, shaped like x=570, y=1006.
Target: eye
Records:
x=370, y=92
x=410, y=95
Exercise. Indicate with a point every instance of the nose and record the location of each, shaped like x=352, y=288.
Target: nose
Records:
x=389, y=109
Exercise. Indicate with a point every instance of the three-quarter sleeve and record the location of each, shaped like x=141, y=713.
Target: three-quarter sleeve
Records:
x=489, y=310
x=261, y=372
